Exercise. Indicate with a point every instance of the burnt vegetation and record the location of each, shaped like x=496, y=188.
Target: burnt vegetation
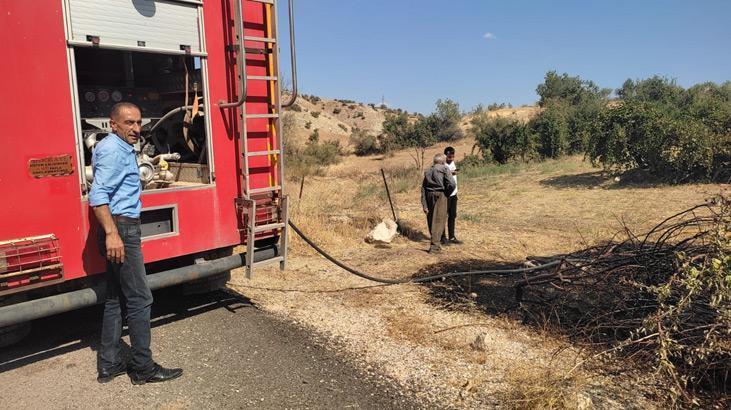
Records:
x=660, y=300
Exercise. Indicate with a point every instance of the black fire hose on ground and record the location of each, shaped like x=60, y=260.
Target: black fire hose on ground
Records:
x=422, y=279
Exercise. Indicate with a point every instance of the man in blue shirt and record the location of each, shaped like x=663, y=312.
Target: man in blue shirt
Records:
x=115, y=198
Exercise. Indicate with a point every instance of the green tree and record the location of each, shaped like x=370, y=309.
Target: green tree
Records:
x=445, y=120
x=671, y=146
x=711, y=104
x=396, y=126
x=501, y=139
x=552, y=130
x=654, y=89
x=570, y=90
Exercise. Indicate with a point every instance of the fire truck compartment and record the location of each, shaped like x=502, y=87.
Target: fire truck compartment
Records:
x=174, y=150
x=159, y=24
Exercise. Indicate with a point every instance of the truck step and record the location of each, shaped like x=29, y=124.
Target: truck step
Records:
x=269, y=227
x=265, y=262
x=263, y=190
x=262, y=116
x=260, y=39
x=264, y=153
x=261, y=77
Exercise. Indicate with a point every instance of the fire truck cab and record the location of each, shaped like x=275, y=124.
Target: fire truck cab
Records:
x=205, y=75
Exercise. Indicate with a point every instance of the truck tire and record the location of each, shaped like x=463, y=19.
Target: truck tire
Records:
x=11, y=335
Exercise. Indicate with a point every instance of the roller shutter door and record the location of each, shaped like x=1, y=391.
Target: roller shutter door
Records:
x=153, y=24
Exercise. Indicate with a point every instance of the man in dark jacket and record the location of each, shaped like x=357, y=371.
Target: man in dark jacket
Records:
x=437, y=185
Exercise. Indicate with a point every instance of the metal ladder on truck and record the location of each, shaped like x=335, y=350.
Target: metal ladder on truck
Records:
x=262, y=210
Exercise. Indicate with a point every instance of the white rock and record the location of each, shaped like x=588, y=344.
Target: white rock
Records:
x=384, y=232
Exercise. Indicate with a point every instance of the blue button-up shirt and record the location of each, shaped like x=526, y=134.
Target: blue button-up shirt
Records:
x=116, y=177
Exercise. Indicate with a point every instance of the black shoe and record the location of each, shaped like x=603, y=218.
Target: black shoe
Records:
x=445, y=242
x=435, y=249
x=107, y=375
x=160, y=374
x=456, y=241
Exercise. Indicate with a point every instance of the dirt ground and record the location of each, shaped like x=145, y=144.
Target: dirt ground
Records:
x=321, y=338
x=462, y=356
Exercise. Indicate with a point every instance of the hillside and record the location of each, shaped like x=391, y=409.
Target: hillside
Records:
x=333, y=119
x=336, y=119
x=523, y=114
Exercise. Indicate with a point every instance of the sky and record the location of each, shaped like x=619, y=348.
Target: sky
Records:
x=412, y=53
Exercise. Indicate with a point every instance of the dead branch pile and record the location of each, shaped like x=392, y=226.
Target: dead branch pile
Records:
x=662, y=298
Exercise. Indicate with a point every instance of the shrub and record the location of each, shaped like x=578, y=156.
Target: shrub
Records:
x=336, y=111
x=399, y=132
x=326, y=153
x=315, y=136
x=570, y=90
x=580, y=122
x=343, y=127
x=311, y=98
x=445, y=121
x=551, y=129
x=295, y=107
x=496, y=106
x=288, y=123
x=312, y=158
x=501, y=139
x=315, y=114
x=640, y=134
x=470, y=161
x=308, y=125
x=655, y=89
x=364, y=143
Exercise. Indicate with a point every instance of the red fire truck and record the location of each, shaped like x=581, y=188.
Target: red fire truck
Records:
x=205, y=74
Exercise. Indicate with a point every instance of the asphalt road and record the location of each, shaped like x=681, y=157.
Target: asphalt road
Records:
x=234, y=356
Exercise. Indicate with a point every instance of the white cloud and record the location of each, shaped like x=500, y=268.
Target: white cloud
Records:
x=489, y=36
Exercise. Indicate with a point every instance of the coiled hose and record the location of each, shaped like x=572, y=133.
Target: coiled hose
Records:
x=421, y=279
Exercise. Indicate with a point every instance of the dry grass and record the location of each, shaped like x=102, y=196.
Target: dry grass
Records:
x=408, y=326
x=542, y=387
x=505, y=214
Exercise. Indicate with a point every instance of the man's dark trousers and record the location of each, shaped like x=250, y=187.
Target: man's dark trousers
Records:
x=127, y=282
x=436, y=215
x=451, y=217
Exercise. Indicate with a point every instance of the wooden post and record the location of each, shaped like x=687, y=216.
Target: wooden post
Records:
x=302, y=186
x=388, y=194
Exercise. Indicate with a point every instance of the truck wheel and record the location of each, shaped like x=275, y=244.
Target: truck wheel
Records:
x=11, y=335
